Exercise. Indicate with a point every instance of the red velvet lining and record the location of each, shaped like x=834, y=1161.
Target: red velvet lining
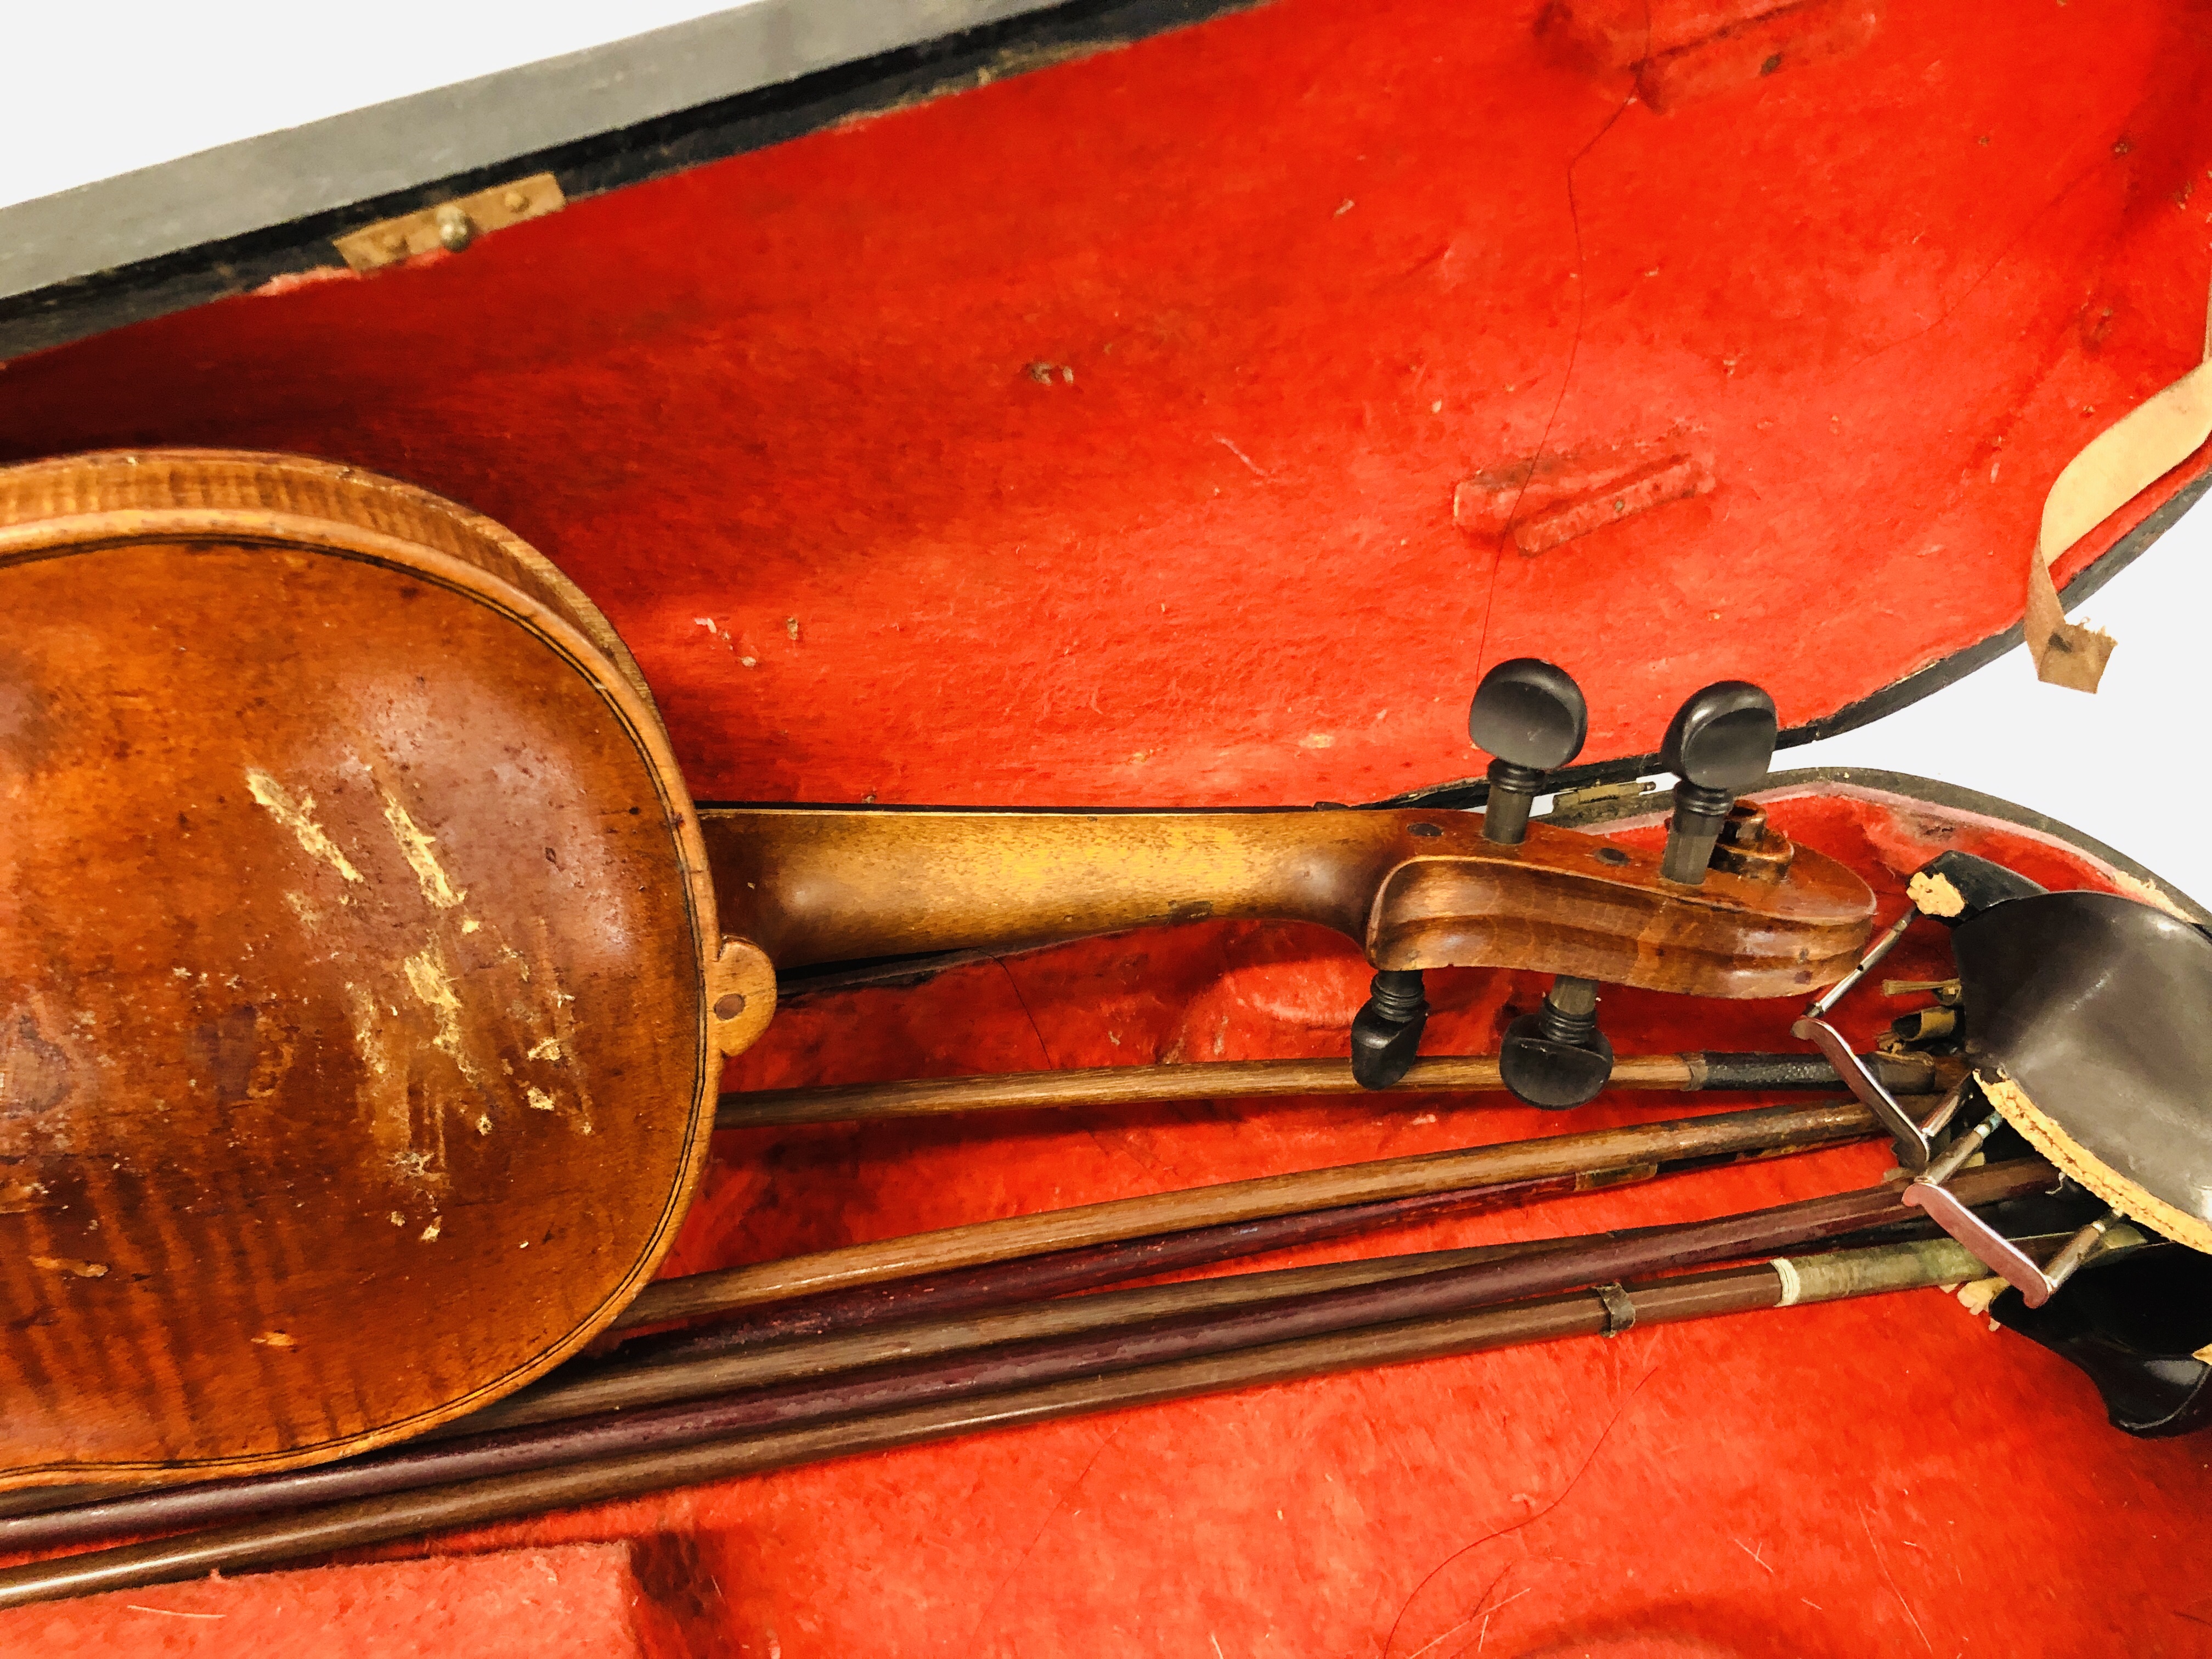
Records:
x=1311, y=269
x=571, y=1601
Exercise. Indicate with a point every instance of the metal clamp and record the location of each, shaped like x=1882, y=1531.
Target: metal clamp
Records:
x=2036, y=1284
x=1914, y=1145
x=1916, y=1149
x=1619, y=1308
x=1882, y=947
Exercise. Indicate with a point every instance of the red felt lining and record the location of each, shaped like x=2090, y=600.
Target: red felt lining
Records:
x=1880, y=297
x=1838, y=1480
x=571, y=1602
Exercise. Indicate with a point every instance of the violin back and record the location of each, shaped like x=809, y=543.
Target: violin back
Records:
x=355, y=1048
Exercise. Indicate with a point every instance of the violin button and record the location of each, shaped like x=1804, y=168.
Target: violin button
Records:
x=1528, y=714
x=1719, y=744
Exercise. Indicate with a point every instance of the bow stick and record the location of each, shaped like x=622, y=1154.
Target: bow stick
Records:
x=1548, y=1158
x=622, y=1457
x=1251, y=1079
x=645, y=1368
x=1058, y=1272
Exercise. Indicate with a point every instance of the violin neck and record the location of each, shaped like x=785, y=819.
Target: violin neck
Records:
x=1413, y=889
x=813, y=884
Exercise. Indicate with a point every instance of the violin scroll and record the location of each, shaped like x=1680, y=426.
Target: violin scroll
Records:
x=1529, y=715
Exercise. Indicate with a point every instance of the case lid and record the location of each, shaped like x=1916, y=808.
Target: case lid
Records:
x=1197, y=421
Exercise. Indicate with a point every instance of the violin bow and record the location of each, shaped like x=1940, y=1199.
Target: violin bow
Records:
x=1548, y=1157
x=1508, y=1297
x=1254, y=1079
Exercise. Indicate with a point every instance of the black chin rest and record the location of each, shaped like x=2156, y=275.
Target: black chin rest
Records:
x=2099, y=1008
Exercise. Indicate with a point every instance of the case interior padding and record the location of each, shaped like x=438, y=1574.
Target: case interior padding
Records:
x=1195, y=422
x=623, y=1600
x=1858, y=1478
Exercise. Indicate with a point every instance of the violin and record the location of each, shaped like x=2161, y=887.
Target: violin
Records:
x=367, y=970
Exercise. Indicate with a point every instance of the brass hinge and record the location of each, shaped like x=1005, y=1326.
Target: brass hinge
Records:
x=451, y=225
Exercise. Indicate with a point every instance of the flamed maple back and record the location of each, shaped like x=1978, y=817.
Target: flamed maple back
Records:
x=354, y=929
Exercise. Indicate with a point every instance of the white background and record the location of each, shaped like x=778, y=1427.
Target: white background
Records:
x=99, y=90
x=95, y=90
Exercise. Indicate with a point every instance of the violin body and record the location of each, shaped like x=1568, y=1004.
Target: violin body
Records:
x=363, y=987
x=354, y=943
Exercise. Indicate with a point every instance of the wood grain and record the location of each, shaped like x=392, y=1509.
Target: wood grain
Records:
x=248, y=1545
x=353, y=1056
x=459, y=1451
x=1594, y=1152
x=1415, y=888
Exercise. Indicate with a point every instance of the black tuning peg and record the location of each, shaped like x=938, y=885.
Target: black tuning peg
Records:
x=1719, y=744
x=1387, y=1032
x=1557, y=1057
x=1531, y=716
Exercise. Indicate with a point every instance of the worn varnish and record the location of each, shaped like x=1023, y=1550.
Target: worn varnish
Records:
x=1416, y=889
x=352, y=1047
